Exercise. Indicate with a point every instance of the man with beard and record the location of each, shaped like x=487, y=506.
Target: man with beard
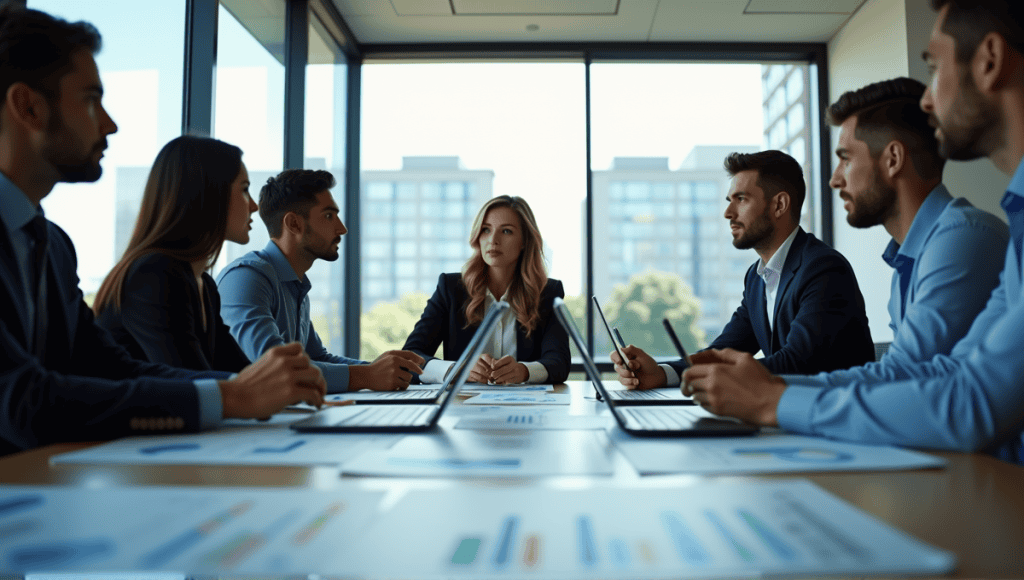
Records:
x=62, y=378
x=972, y=399
x=801, y=304
x=946, y=254
x=264, y=294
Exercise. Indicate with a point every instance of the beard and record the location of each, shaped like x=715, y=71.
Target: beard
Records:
x=63, y=152
x=755, y=233
x=971, y=125
x=873, y=206
x=319, y=247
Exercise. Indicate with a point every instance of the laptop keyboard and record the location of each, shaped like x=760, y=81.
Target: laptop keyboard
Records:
x=641, y=395
x=413, y=394
x=387, y=415
x=653, y=418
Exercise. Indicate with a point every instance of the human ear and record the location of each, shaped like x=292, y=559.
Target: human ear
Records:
x=27, y=106
x=292, y=223
x=991, y=63
x=894, y=158
x=780, y=204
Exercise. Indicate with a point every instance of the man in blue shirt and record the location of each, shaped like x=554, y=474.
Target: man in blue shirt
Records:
x=265, y=294
x=62, y=378
x=973, y=398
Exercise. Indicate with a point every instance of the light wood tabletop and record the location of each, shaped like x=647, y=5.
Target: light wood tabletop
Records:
x=974, y=507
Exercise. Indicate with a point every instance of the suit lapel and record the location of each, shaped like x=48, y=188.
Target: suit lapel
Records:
x=793, y=261
x=759, y=316
x=11, y=276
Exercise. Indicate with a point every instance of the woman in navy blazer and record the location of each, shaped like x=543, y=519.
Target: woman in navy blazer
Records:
x=158, y=301
x=507, y=264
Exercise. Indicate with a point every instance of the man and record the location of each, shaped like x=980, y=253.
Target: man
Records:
x=972, y=399
x=946, y=254
x=801, y=304
x=61, y=377
x=264, y=294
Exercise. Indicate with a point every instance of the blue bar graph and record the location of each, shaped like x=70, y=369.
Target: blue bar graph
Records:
x=684, y=540
x=586, y=542
x=769, y=537
x=506, y=541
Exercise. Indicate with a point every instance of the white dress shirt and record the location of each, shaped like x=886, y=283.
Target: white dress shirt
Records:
x=771, y=273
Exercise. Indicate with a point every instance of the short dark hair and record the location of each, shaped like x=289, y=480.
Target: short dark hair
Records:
x=293, y=190
x=776, y=172
x=889, y=111
x=36, y=48
x=969, y=21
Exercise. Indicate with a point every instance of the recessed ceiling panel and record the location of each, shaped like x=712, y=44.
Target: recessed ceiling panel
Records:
x=546, y=7
x=802, y=6
x=422, y=7
x=724, y=21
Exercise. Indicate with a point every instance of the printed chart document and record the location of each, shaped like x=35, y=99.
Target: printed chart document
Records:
x=463, y=453
x=779, y=453
x=250, y=445
x=527, y=418
x=191, y=530
x=710, y=530
x=479, y=388
x=518, y=398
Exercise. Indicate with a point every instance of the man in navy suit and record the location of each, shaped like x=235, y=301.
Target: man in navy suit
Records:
x=62, y=378
x=801, y=305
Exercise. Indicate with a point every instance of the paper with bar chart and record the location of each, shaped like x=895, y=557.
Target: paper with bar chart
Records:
x=710, y=530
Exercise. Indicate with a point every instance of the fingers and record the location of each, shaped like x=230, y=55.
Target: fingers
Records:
x=502, y=363
x=487, y=359
x=406, y=355
x=705, y=357
x=477, y=377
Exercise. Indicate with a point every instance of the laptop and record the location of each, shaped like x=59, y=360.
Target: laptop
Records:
x=681, y=420
x=405, y=418
x=664, y=396
x=423, y=394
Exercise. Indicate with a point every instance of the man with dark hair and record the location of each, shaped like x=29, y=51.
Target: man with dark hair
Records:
x=61, y=377
x=265, y=293
x=946, y=254
x=973, y=398
x=801, y=304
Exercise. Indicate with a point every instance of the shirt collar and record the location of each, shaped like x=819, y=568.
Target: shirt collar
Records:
x=1014, y=197
x=18, y=210
x=778, y=259
x=925, y=218
x=282, y=266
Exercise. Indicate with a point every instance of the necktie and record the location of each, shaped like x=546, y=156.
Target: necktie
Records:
x=904, y=267
x=1014, y=206
x=37, y=230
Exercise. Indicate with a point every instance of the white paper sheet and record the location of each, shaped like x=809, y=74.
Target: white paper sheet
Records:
x=462, y=453
x=479, y=388
x=518, y=398
x=528, y=418
x=774, y=453
x=249, y=445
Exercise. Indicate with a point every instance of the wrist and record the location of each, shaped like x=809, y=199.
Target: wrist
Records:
x=770, y=415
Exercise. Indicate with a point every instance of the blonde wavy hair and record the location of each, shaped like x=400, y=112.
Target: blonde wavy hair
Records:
x=523, y=293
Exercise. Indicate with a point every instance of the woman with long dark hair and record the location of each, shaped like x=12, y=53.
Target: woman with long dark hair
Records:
x=159, y=302
x=529, y=345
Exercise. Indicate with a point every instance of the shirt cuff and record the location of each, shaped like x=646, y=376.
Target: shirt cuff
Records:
x=672, y=378
x=794, y=410
x=211, y=407
x=336, y=376
x=435, y=370
x=538, y=372
x=806, y=380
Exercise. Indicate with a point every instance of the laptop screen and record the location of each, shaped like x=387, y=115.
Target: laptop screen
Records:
x=473, y=350
x=565, y=317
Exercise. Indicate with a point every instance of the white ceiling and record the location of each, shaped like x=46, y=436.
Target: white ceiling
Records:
x=447, y=21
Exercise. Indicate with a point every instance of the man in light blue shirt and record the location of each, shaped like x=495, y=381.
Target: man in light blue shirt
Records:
x=265, y=293
x=973, y=398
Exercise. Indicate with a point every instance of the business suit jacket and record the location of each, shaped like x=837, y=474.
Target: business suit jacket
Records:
x=87, y=387
x=820, y=322
x=444, y=321
x=159, y=319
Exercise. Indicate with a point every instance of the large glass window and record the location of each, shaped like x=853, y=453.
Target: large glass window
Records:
x=438, y=140
x=141, y=69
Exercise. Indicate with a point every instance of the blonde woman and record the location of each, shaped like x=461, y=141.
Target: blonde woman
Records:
x=529, y=345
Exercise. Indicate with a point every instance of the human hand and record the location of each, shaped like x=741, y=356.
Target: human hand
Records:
x=738, y=386
x=481, y=371
x=506, y=370
x=392, y=371
x=282, y=376
x=646, y=374
x=705, y=357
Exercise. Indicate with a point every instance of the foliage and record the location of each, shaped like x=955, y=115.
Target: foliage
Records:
x=386, y=326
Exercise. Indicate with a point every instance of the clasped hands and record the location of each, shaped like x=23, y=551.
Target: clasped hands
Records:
x=725, y=382
x=502, y=371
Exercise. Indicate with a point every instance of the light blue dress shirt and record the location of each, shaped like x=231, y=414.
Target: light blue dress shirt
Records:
x=265, y=304
x=943, y=275
x=971, y=399
x=18, y=211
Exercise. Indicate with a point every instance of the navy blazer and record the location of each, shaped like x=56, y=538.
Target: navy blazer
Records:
x=159, y=319
x=820, y=322
x=88, y=387
x=444, y=321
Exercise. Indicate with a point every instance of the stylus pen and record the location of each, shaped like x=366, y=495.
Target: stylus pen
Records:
x=622, y=355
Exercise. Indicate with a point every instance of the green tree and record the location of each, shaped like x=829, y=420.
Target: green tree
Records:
x=386, y=326
x=638, y=308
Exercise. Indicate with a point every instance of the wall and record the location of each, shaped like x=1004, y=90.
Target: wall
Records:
x=885, y=39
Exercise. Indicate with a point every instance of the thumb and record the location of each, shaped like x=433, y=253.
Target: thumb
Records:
x=731, y=356
x=291, y=348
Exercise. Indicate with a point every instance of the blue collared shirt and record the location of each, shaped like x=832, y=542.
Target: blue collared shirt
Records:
x=943, y=275
x=265, y=304
x=971, y=399
x=18, y=212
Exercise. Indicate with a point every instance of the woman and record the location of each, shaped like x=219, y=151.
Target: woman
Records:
x=529, y=345
x=158, y=301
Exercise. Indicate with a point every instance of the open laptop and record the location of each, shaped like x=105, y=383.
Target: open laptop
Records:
x=665, y=396
x=412, y=417
x=682, y=420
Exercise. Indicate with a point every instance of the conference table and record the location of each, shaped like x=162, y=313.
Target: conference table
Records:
x=973, y=507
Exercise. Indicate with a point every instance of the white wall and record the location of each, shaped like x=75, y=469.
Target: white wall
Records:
x=885, y=39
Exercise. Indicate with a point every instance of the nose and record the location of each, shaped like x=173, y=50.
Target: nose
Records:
x=729, y=212
x=107, y=122
x=837, y=181
x=927, y=105
x=252, y=206
x=342, y=230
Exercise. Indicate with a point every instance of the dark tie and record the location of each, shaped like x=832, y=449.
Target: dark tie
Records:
x=1013, y=205
x=904, y=267
x=37, y=230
